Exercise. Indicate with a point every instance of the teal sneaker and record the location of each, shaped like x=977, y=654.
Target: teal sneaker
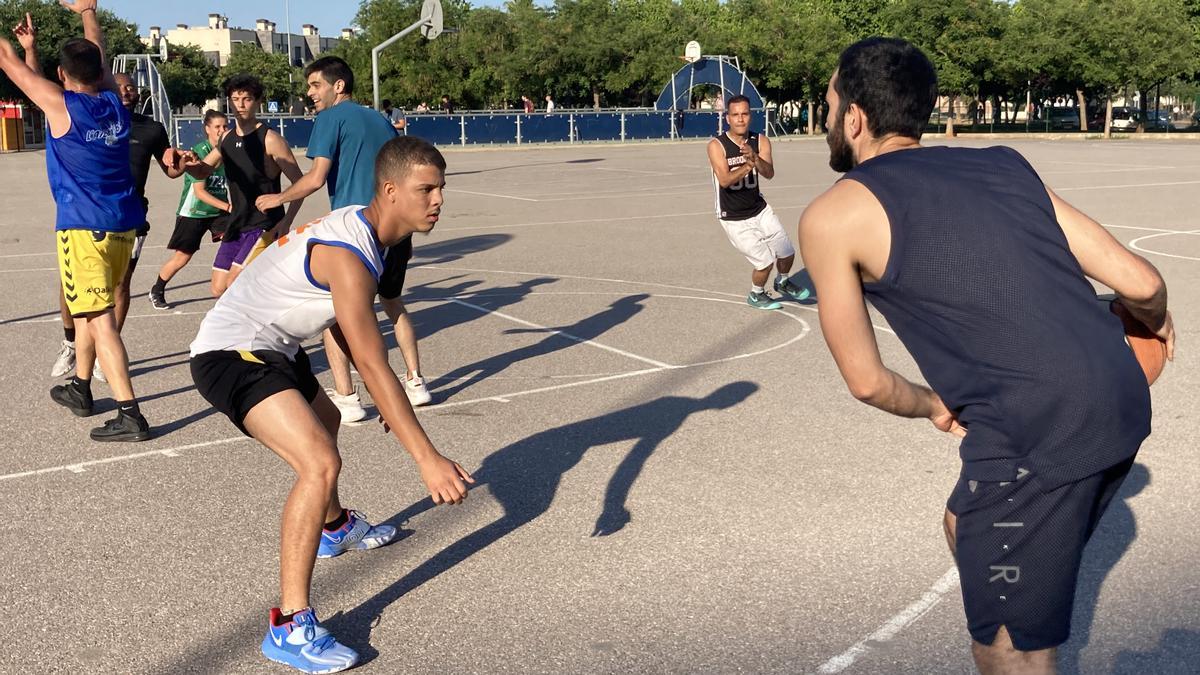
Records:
x=762, y=301
x=785, y=286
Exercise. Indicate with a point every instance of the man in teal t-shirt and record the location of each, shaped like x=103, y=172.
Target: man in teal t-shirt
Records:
x=202, y=207
x=345, y=139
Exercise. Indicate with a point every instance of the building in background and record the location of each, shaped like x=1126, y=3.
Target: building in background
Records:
x=217, y=39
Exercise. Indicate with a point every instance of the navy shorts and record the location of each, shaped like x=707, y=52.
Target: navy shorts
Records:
x=1018, y=551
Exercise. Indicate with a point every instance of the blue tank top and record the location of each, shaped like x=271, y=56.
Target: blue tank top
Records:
x=88, y=167
x=984, y=292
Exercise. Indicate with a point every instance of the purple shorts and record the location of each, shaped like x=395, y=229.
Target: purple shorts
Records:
x=234, y=251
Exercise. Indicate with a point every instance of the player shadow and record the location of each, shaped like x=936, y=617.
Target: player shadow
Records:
x=438, y=317
x=524, y=477
x=1175, y=655
x=557, y=339
x=451, y=250
x=1116, y=532
x=160, y=430
x=525, y=166
x=804, y=280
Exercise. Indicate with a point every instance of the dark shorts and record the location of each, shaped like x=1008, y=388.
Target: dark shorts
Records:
x=1018, y=551
x=189, y=232
x=235, y=250
x=391, y=282
x=234, y=382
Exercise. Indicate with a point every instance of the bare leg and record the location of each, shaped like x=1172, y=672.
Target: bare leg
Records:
x=406, y=337
x=339, y=365
x=950, y=529
x=759, y=277
x=175, y=263
x=68, y=321
x=105, y=339
x=220, y=282
x=784, y=265
x=85, y=349
x=122, y=302
x=307, y=447
x=1001, y=658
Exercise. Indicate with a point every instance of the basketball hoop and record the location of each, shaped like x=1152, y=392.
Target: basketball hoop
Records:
x=691, y=53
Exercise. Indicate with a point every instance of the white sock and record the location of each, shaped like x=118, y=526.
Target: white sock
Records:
x=757, y=289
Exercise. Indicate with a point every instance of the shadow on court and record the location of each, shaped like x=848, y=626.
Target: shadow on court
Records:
x=524, y=166
x=435, y=318
x=559, y=338
x=524, y=477
x=1116, y=532
x=1175, y=655
x=451, y=250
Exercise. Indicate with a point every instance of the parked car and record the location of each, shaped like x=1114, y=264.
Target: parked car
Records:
x=1063, y=118
x=1125, y=118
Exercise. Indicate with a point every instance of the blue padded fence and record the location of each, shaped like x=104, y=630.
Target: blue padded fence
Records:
x=503, y=128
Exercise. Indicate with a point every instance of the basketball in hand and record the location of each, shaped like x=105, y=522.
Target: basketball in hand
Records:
x=1150, y=350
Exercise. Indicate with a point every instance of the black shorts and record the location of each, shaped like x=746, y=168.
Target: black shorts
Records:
x=189, y=232
x=391, y=282
x=1018, y=551
x=234, y=381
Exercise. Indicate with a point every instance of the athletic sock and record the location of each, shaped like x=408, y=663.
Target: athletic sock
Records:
x=129, y=408
x=69, y=335
x=334, y=524
x=160, y=285
x=82, y=386
x=757, y=289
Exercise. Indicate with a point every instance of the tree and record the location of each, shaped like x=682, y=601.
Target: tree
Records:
x=55, y=25
x=273, y=70
x=188, y=76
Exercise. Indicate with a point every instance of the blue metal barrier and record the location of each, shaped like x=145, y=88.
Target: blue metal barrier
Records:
x=502, y=128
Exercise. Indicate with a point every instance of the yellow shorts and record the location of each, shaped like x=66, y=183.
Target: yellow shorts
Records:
x=90, y=265
x=267, y=238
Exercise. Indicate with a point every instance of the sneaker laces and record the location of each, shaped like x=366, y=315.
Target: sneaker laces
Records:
x=309, y=623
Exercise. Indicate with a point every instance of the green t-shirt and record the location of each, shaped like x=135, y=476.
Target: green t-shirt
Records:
x=190, y=206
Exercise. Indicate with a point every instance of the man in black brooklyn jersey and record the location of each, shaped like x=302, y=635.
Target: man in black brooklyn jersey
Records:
x=738, y=158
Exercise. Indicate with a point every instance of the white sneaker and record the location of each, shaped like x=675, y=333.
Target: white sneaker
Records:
x=65, y=363
x=417, y=393
x=349, y=405
x=98, y=374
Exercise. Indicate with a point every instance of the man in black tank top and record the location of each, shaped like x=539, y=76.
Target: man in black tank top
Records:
x=985, y=283
x=254, y=156
x=738, y=158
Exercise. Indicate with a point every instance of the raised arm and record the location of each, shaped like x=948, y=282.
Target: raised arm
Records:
x=41, y=92
x=1131, y=276
x=86, y=9
x=353, y=290
x=27, y=37
x=720, y=167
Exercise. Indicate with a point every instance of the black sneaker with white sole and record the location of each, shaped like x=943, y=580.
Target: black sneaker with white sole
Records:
x=78, y=401
x=158, y=299
x=123, y=427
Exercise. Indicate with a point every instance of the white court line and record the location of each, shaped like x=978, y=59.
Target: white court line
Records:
x=80, y=467
x=28, y=255
x=1129, y=185
x=894, y=625
x=1135, y=245
x=491, y=194
x=31, y=269
x=156, y=315
x=554, y=387
x=564, y=334
x=648, y=173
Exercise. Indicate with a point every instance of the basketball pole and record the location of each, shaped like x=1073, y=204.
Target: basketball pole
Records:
x=431, y=20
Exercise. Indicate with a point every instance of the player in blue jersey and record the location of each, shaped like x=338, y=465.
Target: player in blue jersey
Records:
x=983, y=274
x=98, y=214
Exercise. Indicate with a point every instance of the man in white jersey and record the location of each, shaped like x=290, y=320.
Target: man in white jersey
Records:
x=738, y=158
x=247, y=362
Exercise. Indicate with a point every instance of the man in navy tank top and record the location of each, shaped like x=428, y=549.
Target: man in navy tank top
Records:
x=98, y=212
x=983, y=273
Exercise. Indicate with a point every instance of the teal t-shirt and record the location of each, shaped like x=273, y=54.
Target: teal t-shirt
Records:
x=350, y=136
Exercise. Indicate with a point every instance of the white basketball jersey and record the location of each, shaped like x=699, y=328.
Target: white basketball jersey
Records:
x=275, y=303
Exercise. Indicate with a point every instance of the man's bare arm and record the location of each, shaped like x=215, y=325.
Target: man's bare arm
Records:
x=43, y=93
x=763, y=159
x=311, y=182
x=720, y=167
x=86, y=9
x=282, y=153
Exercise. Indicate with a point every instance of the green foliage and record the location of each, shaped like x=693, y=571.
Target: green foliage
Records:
x=188, y=75
x=55, y=25
x=273, y=69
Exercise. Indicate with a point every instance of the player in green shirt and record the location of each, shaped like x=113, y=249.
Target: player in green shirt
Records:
x=202, y=207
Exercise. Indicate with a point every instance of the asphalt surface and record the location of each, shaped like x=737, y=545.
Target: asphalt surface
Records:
x=669, y=480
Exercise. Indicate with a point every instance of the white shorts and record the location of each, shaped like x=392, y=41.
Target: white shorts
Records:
x=761, y=238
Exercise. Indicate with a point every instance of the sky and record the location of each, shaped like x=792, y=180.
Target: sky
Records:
x=330, y=16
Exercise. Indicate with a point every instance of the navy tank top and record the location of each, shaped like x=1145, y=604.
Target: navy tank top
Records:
x=742, y=200
x=88, y=167
x=984, y=292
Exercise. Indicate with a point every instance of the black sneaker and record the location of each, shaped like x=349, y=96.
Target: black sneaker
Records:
x=123, y=428
x=158, y=300
x=68, y=396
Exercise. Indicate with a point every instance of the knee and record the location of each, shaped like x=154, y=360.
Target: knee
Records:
x=323, y=468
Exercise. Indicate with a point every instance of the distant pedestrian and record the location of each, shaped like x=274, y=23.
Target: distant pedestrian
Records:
x=549, y=105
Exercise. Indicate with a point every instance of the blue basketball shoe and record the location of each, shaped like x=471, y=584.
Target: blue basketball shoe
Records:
x=355, y=535
x=303, y=644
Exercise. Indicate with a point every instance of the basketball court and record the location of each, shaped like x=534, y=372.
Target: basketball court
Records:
x=669, y=480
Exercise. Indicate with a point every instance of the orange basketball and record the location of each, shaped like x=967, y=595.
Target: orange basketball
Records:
x=1150, y=350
